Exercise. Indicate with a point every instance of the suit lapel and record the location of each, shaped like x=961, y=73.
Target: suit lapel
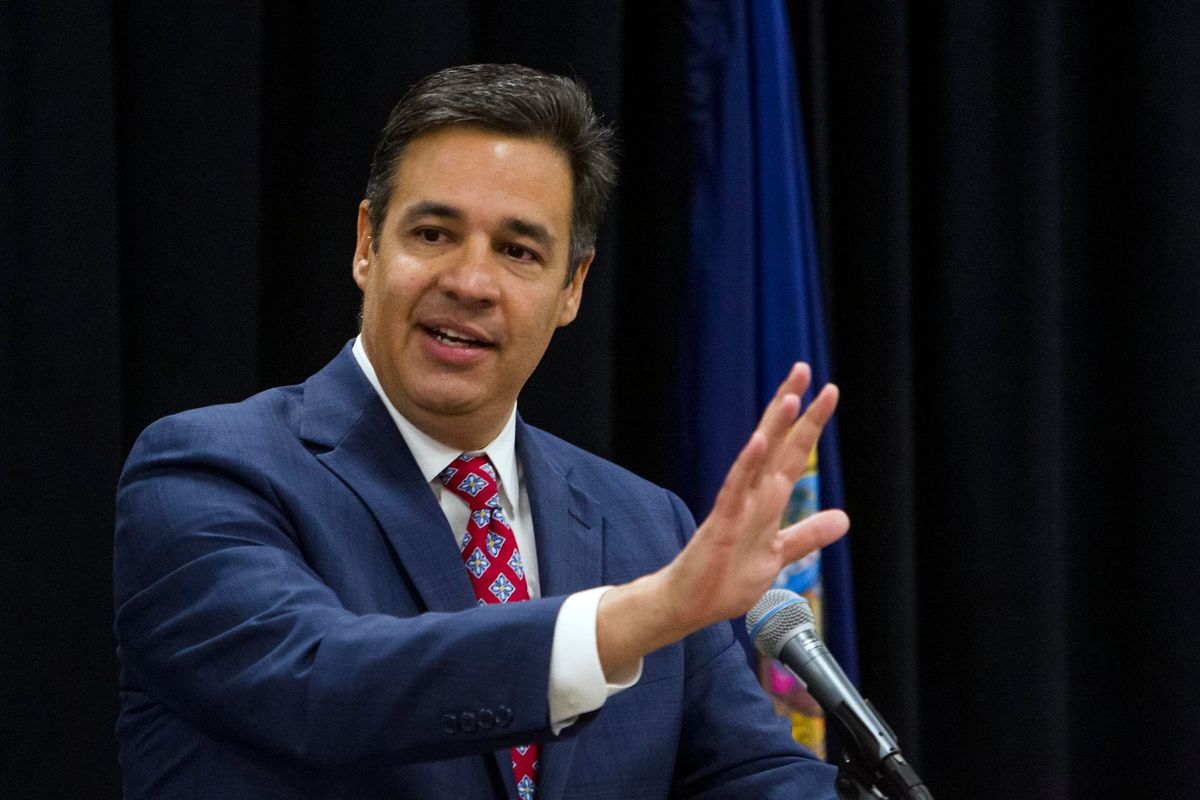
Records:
x=570, y=548
x=359, y=443
x=566, y=522
x=365, y=450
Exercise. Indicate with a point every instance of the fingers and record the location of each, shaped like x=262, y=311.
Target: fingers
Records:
x=804, y=433
x=782, y=410
x=812, y=533
x=790, y=440
x=743, y=473
x=782, y=442
x=796, y=381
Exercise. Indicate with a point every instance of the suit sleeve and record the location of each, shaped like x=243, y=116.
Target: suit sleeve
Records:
x=219, y=618
x=732, y=743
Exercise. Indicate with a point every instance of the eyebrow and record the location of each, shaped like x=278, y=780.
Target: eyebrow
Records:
x=430, y=208
x=532, y=230
x=521, y=227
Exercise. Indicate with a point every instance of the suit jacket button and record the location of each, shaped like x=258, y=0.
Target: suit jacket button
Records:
x=486, y=719
x=466, y=722
x=450, y=724
x=503, y=716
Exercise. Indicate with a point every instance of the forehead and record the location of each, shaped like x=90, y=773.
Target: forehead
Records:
x=484, y=171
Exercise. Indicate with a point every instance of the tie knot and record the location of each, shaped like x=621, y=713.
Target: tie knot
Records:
x=473, y=478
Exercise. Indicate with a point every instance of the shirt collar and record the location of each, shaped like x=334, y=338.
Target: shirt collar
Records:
x=431, y=455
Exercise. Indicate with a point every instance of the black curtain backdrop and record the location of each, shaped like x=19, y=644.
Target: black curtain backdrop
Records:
x=1008, y=201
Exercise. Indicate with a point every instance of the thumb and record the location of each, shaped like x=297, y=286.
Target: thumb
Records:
x=813, y=532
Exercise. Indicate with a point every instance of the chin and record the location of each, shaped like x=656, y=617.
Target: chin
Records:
x=445, y=401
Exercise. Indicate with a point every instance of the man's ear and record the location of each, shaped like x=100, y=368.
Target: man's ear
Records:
x=574, y=290
x=362, y=246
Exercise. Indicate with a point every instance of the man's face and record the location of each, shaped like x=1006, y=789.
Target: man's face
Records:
x=465, y=286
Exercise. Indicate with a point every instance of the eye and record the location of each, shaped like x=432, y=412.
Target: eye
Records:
x=519, y=253
x=430, y=235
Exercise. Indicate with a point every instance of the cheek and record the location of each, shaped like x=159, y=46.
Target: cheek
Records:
x=390, y=291
x=381, y=313
x=541, y=325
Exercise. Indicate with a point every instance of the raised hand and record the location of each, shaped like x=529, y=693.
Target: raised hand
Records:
x=739, y=548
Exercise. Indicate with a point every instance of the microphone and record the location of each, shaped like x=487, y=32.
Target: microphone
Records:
x=781, y=627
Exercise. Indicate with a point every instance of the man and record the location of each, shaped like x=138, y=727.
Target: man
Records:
x=317, y=588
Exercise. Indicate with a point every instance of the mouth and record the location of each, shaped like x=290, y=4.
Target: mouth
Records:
x=454, y=337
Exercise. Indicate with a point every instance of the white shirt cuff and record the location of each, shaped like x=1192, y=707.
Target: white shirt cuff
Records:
x=577, y=683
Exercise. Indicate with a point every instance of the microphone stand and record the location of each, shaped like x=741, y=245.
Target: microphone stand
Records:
x=855, y=783
x=858, y=782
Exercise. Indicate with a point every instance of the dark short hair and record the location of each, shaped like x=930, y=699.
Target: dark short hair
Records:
x=514, y=100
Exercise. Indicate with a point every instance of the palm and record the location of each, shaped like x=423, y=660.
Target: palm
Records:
x=739, y=549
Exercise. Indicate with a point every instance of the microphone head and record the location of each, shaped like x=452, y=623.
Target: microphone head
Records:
x=775, y=618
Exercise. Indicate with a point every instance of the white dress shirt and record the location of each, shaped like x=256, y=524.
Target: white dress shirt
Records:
x=577, y=683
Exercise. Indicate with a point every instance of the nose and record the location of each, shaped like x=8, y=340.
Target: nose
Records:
x=470, y=276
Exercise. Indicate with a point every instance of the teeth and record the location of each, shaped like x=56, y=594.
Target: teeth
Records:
x=453, y=336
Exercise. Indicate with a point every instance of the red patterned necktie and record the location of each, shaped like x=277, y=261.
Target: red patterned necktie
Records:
x=489, y=551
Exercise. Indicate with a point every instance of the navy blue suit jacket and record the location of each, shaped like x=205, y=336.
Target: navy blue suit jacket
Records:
x=294, y=621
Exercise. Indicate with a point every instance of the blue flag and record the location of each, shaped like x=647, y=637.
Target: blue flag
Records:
x=754, y=291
